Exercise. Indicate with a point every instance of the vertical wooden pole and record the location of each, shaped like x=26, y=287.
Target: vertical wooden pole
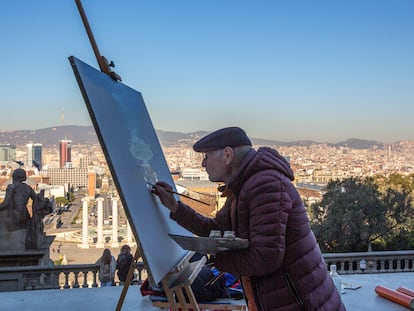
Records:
x=127, y=281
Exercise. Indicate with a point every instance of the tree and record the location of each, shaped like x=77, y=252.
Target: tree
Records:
x=60, y=201
x=399, y=220
x=354, y=213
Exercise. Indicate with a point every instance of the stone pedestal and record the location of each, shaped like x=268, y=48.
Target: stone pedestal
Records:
x=32, y=257
x=12, y=280
x=13, y=241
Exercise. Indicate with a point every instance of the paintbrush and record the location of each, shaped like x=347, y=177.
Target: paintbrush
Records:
x=214, y=279
x=182, y=195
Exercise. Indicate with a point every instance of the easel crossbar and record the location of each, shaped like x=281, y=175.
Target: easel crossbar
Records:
x=187, y=275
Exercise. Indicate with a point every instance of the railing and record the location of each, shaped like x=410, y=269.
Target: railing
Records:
x=83, y=276
x=56, y=277
x=372, y=262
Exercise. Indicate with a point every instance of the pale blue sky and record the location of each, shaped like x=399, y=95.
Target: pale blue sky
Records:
x=284, y=70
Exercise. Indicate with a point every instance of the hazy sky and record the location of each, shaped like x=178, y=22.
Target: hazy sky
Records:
x=284, y=70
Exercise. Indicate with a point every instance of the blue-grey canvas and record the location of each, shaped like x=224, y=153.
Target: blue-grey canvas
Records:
x=136, y=160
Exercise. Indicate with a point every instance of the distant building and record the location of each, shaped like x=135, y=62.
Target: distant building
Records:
x=194, y=173
x=78, y=177
x=37, y=153
x=84, y=161
x=65, y=148
x=33, y=153
x=91, y=183
x=105, y=183
x=7, y=153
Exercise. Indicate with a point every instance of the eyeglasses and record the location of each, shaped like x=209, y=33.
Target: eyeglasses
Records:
x=205, y=154
x=205, y=157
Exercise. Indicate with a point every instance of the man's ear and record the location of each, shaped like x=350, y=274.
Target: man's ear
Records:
x=228, y=154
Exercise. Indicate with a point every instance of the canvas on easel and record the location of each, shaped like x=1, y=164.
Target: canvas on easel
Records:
x=135, y=158
x=136, y=161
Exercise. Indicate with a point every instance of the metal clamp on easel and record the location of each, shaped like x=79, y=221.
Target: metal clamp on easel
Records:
x=104, y=66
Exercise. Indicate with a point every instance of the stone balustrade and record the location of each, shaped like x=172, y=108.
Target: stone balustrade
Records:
x=56, y=277
x=375, y=262
x=86, y=275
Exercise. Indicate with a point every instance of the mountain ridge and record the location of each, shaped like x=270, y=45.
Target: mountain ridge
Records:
x=85, y=134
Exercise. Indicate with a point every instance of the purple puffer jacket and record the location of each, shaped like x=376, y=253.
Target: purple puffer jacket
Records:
x=283, y=261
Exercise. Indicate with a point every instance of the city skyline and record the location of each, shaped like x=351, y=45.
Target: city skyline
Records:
x=321, y=70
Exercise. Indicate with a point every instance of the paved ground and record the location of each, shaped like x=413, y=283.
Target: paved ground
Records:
x=76, y=255
x=107, y=298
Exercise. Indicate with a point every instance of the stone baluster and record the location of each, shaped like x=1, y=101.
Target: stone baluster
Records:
x=95, y=283
x=398, y=268
x=382, y=261
x=406, y=265
x=66, y=273
x=85, y=279
x=342, y=264
x=76, y=283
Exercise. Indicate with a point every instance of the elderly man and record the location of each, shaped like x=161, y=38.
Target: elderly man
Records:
x=283, y=268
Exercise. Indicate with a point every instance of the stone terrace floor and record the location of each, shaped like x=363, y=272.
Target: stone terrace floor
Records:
x=106, y=298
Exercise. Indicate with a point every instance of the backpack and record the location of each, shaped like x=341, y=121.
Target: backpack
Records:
x=105, y=273
x=210, y=292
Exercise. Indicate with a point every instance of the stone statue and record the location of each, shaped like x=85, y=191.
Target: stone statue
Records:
x=15, y=202
x=14, y=216
x=41, y=207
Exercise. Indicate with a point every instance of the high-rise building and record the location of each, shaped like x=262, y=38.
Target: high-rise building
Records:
x=76, y=177
x=37, y=153
x=65, y=147
x=84, y=161
x=33, y=153
x=7, y=153
x=29, y=154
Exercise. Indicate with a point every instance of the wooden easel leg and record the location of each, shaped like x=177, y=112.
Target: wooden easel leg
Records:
x=181, y=299
x=191, y=297
x=171, y=299
x=127, y=281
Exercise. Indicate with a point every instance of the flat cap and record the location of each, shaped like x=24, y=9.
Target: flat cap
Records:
x=222, y=138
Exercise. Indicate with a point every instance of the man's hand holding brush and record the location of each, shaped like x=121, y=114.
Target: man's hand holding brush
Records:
x=166, y=194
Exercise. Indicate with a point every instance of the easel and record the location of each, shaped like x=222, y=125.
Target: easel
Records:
x=104, y=66
x=176, y=283
x=179, y=281
x=127, y=280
